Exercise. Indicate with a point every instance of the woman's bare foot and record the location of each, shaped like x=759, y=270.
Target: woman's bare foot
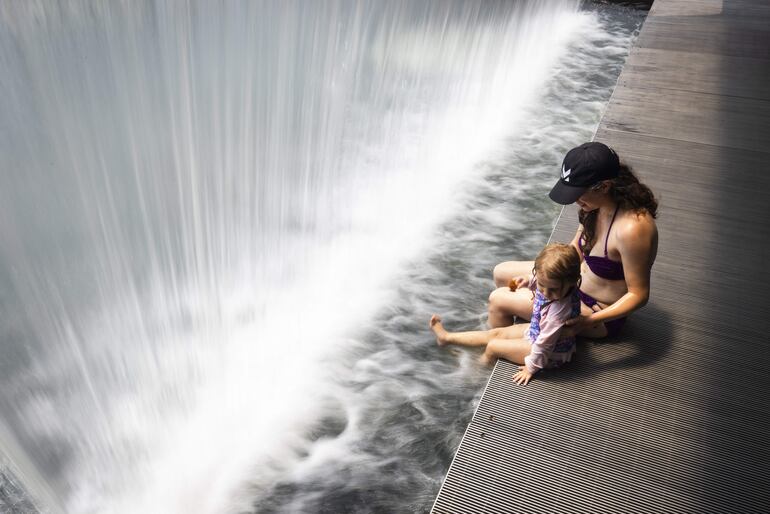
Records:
x=439, y=330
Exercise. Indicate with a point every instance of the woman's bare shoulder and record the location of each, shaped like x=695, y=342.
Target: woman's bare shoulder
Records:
x=637, y=235
x=636, y=225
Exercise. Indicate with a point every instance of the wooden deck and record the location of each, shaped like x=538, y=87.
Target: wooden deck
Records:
x=673, y=415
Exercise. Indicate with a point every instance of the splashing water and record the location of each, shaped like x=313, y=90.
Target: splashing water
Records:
x=202, y=206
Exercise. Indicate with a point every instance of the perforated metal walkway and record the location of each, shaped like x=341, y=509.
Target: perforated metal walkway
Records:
x=673, y=416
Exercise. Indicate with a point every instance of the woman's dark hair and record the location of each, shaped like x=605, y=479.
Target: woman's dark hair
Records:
x=629, y=194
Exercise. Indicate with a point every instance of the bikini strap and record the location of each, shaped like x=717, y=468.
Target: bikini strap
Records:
x=606, y=255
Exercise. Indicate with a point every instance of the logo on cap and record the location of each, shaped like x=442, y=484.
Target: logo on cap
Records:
x=565, y=173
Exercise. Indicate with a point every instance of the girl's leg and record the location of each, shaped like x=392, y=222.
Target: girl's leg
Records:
x=504, y=304
x=513, y=350
x=475, y=337
x=505, y=271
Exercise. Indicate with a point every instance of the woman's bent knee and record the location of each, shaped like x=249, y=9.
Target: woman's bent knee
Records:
x=502, y=273
x=505, y=271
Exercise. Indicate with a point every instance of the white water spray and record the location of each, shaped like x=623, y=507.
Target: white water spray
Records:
x=198, y=202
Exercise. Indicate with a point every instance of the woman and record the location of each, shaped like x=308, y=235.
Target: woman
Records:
x=617, y=240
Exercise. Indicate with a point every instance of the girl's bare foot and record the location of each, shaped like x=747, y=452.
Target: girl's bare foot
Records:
x=439, y=330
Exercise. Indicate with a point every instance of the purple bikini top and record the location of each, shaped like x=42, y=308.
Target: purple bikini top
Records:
x=603, y=267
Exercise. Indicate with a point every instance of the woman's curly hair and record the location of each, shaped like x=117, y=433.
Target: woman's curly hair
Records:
x=629, y=194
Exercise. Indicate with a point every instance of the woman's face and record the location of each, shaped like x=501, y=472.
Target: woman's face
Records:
x=593, y=198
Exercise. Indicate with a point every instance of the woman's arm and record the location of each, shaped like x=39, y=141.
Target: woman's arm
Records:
x=576, y=239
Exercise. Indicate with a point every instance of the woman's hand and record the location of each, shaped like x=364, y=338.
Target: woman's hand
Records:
x=523, y=376
x=579, y=323
x=576, y=325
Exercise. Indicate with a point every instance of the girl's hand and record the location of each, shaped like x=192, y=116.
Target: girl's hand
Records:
x=517, y=282
x=523, y=376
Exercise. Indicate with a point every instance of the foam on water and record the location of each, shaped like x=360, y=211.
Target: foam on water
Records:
x=406, y=402
x=205, y=211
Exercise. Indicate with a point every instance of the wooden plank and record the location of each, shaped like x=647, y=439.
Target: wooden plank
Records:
x=672, y=415
x=688, y=116
x=743, y=36
x=676, y=151
x=736, y=8
x=669, y=69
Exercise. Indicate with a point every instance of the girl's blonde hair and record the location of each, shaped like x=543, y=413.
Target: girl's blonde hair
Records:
x=560, y=262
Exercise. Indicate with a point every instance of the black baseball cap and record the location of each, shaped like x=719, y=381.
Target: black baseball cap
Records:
x=584, y=166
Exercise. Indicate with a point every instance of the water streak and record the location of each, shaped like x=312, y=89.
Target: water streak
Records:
x=200, y=202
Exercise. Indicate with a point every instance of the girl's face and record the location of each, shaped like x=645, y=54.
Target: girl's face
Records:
x=550, y=288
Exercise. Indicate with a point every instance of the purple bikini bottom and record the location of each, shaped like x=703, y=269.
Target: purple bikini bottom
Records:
x=613, y=327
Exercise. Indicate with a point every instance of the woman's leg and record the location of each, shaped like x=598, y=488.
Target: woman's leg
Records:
x=504, y=304
x=505, y=271
x=513, y=350
x=475, y=337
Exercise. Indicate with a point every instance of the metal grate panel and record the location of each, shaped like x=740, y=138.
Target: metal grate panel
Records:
x=673, y=415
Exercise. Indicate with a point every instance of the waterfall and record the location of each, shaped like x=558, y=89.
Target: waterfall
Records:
x=201, y=201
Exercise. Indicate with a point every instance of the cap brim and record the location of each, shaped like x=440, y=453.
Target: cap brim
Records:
x=564, y=194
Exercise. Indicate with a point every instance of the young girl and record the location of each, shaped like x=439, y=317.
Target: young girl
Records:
x=554, y=282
